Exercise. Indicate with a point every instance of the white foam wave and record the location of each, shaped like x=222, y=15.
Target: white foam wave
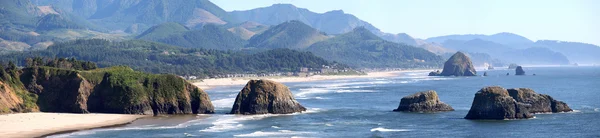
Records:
x=223, y=103
x=144, y=127
x=353, y=91
x=280, y=133
x=381, y=129
x=232, y=122
x=275, y=127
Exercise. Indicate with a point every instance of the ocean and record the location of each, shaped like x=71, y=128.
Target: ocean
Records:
x=363, y=108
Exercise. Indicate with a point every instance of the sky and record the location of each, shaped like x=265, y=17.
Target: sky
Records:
x=565, y=20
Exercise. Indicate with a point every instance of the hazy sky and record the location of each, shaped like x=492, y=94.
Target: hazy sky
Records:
x=567, y=20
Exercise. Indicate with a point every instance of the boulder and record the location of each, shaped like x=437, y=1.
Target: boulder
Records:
x=495, y=103
x=540, y=103
x=427, y=101
x=458, y=65
x=519, y=71
x=435, y=73
x=265, y=96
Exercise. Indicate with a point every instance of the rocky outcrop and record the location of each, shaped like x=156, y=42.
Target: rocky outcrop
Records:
x=540, y=103
x=458, y=65
x=485, y=74
x=112, y=90
x=265, y=96
x=435, y=73
x=427, y=101
x=519, y=71
x=518, y=103
x=496, y=103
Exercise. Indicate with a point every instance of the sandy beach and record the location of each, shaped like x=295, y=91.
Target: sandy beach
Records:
x=40, y=124
x=210, y=83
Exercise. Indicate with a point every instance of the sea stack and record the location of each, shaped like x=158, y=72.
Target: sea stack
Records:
x=427, y=101
x=495, y=103
x=485, y=74
x=518, y=103
x=519, y=71
x=540, y=103
x=265, y=96
x=458, y=65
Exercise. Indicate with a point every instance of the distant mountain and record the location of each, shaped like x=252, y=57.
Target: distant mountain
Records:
x=536, y=56
x=332, y=22
x=361, y=48
x=209, y=36
x=121, y=14
x=434, y=47
x=248, y=29
x=292, y=34
x=580, y=53
x=508, y=39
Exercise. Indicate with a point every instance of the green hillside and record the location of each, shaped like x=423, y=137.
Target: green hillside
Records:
x=293, y=35
x=209, y=37
x=160, y=58
x=361, y=48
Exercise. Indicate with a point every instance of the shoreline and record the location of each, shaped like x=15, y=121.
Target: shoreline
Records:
x=211, y=83
x=46, y=124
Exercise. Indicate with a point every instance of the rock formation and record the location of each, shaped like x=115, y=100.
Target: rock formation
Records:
x=458, y=65
x=540, y=103
x=435, y=73
x=427, y=101
x=110, y=90
x=265, y=96
x=496, y=103
x=519, y=71
x=485, y=74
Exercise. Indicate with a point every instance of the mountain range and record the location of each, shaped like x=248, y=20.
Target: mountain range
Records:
x=335, y=35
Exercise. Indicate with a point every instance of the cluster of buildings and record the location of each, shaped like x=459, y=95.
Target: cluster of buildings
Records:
x=302, y=72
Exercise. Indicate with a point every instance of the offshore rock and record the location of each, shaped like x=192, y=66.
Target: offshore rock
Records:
x=427, y=101
x=265, y=96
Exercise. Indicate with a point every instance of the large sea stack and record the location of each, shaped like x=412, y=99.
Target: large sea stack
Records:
x=458, y=65
x=109, y=90
x=427, y=101
x=519, y=71
x=540, y=103
x=265, y=96
x=518, y=103
x=496, y=103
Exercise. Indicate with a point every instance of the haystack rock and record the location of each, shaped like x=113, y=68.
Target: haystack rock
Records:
x=265, y=96
x=540, y=103
x=458, y=65
x=427, y=101
x=519, y=71
x=495, y=103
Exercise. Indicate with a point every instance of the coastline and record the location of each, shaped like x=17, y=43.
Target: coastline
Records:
x=211, y=83
x=45, y=124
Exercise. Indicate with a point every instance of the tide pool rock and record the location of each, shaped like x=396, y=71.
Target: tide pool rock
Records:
x=540, y=103
x=458, y=65
x=427, y=101
x=496, y=103
x=519, y=71
x=265, y=96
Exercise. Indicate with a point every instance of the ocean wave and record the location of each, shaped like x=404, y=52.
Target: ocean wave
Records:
x=231, y=122
x=312, y=98
x=280, y=133
x=144, y=127
x=381, y=129
x=353, y=91
x=223, y=103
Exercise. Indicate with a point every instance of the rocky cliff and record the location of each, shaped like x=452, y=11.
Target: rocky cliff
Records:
x=265, y=96
x=110, y=90
x=496, y=103
x=518, y=103
x=427, y=101
x=458, y=65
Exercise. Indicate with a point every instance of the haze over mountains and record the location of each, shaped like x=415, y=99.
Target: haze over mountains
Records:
x=335, y=36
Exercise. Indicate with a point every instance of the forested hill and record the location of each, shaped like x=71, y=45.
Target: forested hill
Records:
x=361, y=48
x=209, y=36
x=161, y=58
x=292, y=34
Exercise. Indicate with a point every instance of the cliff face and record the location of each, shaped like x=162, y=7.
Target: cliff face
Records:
x=110, y=90
x=265, y=96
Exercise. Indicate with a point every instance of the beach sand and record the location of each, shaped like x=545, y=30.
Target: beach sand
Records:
x=210, y=83
x=41, y=124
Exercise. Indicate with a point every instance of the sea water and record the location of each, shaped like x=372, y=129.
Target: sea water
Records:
x=363, y=108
